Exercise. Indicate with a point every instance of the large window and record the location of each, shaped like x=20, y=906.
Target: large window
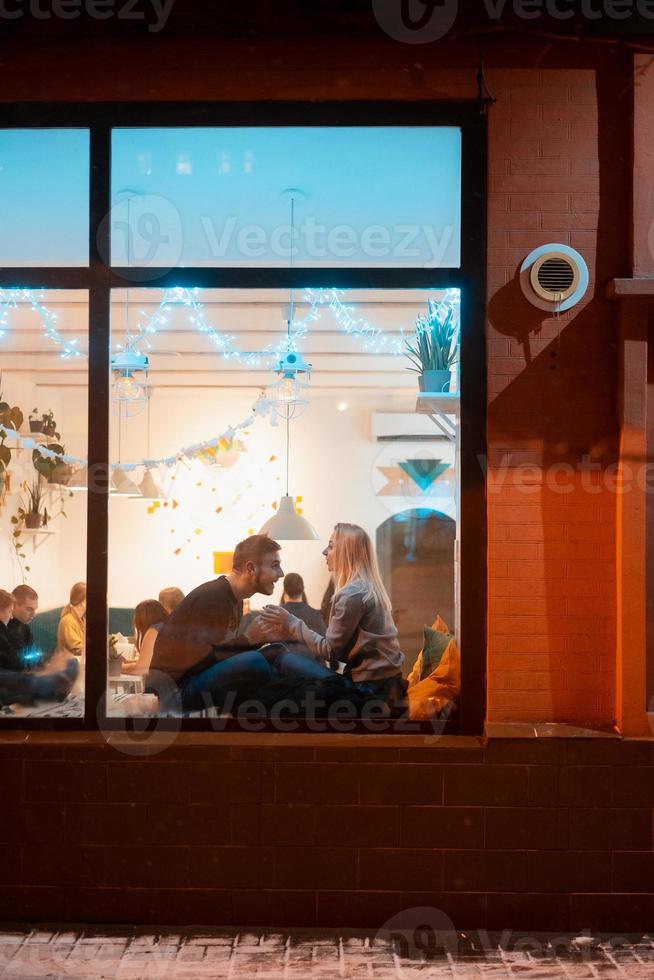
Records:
x=257, y=297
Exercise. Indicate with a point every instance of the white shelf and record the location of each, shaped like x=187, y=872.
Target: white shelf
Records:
x=38, y=530
x=445, y=403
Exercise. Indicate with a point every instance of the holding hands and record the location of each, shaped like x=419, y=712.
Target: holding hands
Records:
x=270, y=626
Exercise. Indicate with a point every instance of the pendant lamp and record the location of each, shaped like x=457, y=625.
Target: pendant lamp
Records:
x=149, y=489
x=122, y=485
x=287, y=524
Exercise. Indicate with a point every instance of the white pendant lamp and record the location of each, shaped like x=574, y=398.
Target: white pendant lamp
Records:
x=149, y=489
x=121, y=485
x=287, y=524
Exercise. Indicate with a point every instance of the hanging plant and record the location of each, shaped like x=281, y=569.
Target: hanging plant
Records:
x=11, y=418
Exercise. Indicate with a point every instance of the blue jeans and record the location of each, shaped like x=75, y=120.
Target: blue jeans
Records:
x=240, y=676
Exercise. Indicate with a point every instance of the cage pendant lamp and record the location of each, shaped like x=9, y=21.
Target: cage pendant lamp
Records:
x=286, y=524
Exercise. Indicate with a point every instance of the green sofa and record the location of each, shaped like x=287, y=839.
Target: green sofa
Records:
x=44, y=626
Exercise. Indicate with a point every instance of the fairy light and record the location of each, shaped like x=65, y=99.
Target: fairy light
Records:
x=9, y=300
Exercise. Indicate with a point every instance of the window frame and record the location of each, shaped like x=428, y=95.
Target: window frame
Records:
x=99, y=280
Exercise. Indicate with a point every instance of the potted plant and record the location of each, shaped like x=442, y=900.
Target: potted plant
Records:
x=60, y=472
x=31, y=512
x=434, y=349
x=36, y=421
x=49, y=424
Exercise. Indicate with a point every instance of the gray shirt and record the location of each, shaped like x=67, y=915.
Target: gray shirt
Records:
x=361, y=632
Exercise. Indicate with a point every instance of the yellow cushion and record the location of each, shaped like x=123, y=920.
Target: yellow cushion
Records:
x=428, y=697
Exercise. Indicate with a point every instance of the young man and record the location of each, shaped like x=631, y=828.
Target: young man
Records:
x=17, y=686
x=170, y=598
x=187, y=670
x=26, y=603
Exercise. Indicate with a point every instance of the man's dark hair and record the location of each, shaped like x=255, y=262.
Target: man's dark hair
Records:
x=294, y=586
x=23, y=592
x=253, y=548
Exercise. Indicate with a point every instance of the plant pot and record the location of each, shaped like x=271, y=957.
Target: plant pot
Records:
x=62, y=473
x=32, y=521
x=434, y=382
x=36, y=425
x=49, y=428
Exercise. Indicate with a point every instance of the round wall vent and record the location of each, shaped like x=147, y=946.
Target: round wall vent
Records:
x=554, y=277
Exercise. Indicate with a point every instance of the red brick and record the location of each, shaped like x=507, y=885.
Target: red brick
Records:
x=392, y=869
x=357, y=910
x=230, y=867
x=525, y=828
x=493, y=871
x=538, y=201
x=63, y=866
x=529, y=913
x=320, y=783
x=404, y=785
x=146, y=866
x=632, y=871
x=275, y=908
x=492, y=785
x=65, y=781
x=225, y=782
x=569, y=871
x=611, y=829
x=440, y=826
x=310, y=867
x=367, y=826
x=96, y=823
x=32, y=823
x=179, y=906
x=633, y=786
x=611, y=913
x=32, y=904
x=288, y=824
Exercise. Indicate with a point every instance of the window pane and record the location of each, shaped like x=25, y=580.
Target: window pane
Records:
x=196, y=470
x=44, y=197
x=43, y=449
x=364, y=196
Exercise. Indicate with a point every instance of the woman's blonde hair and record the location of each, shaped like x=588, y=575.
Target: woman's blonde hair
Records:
x=353, y=558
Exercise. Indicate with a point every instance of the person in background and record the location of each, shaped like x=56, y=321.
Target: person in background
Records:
x=149, y=617
x=26, y=603
x=71, y=631
x=17, y=686
x=9, y=656
x=294, y=600
x=170, y=598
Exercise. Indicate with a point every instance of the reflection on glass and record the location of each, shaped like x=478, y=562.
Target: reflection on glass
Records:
x=43, y=453
x=44, y=197
x=362, y=196
x=206, y=462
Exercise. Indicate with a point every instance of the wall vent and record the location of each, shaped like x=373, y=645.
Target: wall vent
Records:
x=554, y=277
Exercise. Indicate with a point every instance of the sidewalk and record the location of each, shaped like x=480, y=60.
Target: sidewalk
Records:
x=123, y=952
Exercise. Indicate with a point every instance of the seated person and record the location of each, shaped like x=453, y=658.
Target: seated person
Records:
x=170, y=598
x=186, y=671
x=26, y=603
x=71, y=631
x=361, y=632
x=149, y=617
x=9, y=656
x=294, y=600
x=17, y=686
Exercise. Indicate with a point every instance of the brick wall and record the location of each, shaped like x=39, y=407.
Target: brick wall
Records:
x=554, y=176
x=531, y=834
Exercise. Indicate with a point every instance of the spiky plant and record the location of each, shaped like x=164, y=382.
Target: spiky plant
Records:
x=435, y=346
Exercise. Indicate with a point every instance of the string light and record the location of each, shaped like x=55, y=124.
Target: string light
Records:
x=9, y=300
x=374, y=339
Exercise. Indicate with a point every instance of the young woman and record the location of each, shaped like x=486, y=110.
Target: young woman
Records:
x=71, y=631
x=361, y=639
x=149, y=617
